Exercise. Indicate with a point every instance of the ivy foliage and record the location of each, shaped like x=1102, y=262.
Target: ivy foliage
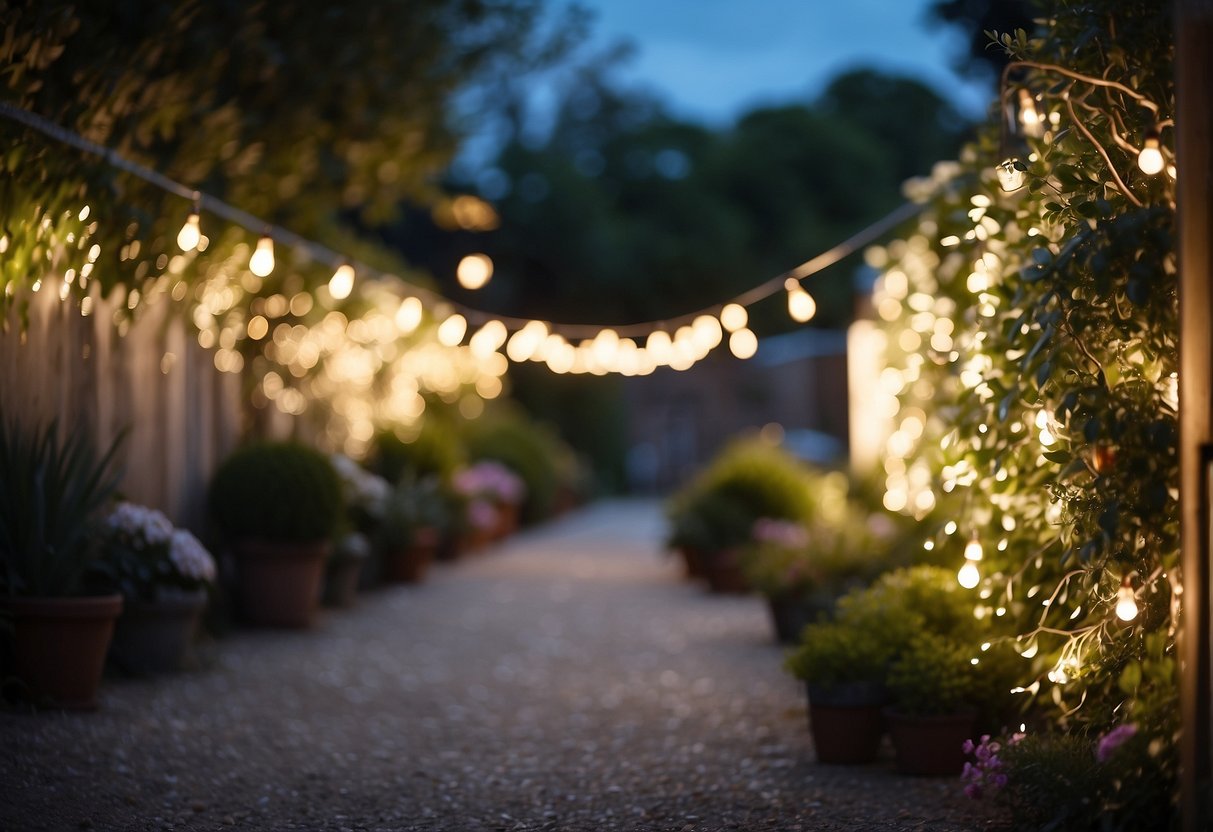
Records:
x=1034, y=347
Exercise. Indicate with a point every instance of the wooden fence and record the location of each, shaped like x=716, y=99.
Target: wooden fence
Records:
x=182, y=415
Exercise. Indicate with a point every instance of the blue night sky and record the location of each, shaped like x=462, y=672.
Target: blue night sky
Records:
x=713, y=59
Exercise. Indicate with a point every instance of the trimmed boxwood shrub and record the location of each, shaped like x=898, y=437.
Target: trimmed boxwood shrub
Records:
x=277, y=491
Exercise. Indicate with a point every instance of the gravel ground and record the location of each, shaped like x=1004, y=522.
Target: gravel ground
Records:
x=569, y=680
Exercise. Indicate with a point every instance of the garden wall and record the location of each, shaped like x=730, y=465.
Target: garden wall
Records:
x=183, y=414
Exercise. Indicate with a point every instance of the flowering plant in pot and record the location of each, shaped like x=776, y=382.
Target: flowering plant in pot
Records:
x=495, y=484
x=351, y=562
x=411, y=531
x=62, y=612
x=164, y=575
x=279, y=505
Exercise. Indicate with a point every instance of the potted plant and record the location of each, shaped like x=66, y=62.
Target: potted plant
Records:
x=352, y=563
x=164, y=575
x=843, y=667
x=61, y=616
x=279, y=505
x=344, y=569
x=491, y=482
x=411, y=530
x=933, y=685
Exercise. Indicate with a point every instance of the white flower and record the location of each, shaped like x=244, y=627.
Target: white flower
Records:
x=142, y=526
x=190, y=558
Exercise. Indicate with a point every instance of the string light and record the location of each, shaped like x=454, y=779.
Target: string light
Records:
x=1126, y=601
x=734, y=317
x=969, y=575
x=191, y=233
x=474, y=271
x=1150, y=158
x=801, y=305
x=262, y=261
x=1029, y=116
x=452, y=330
x=1011, y=175
x=342, y=282
x=743, y=343
x=408, y=316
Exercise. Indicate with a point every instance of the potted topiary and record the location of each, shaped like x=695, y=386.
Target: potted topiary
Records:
x=164, y=575
x=279, y=505
x=61, y=614
x=933, y=685
x=843, y=667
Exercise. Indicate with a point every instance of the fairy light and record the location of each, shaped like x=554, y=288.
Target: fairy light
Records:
x=1029, y=116
x=1150, y=158
x=262, y=261
x=342, y=282
x=743, y=343
x=408, y=316
x=969, y=575
x=191, y=233
x=1126, y=601
x=452, y=330
x=1011, y=175
x=474, y=271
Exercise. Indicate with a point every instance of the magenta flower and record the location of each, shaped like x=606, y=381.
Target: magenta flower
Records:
x=984, y=775
x=1113, y=740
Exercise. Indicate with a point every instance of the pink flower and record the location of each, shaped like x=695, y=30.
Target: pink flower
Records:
x=983, y=775
x=1113, y=740
x=780, y=532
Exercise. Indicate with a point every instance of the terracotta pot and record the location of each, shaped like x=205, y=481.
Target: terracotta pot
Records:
x=847, y=722
x=341, y=579
x=693, y=559
x=930, y=745
x=278, y=584
x=59, y=646
x=723, y=571
x=409, y=565
x=507, y=522
x=155, y=636
x=790, y=614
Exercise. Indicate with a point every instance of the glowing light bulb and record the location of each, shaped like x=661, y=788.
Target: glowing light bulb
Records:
x=1011, y=175
x=973, y=550
x=452, y=330
x=969, y=576
x=801, y=305
x=342, y=282
x=190, y=234
x=474, y=271
x=1150, y=158
x=734, y=317
x=707, y=333
x=1126, y=601
x=1029, y=116
x=408, y=316
x=659, y=346
x=489, y=339
x=743, y=343
x=262, y=261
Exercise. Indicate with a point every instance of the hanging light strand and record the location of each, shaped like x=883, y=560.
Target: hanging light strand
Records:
x=430, y=298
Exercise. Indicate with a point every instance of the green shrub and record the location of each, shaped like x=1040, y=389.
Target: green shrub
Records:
x=751, y=479
x=435, y=451
x=277, y=491
x=413, y=504
x=832, y=653
x=527, y=449
x=51, y=489
x=933, y=675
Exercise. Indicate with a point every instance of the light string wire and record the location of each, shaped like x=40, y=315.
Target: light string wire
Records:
x=322, y=253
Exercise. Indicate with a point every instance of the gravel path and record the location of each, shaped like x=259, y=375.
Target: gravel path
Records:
x=570, y=681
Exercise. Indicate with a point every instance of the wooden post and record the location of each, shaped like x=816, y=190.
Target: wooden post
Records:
x=1194, y=132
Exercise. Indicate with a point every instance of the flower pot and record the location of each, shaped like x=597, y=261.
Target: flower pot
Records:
x=791, y=613
x=278, y=584
x=409, y=564
x=847, y=722
x=507, y=520
x=693, y=559
x=155, y=636
x=341, y=579
x=59, y=646
x=930, y=745
x=724, y=574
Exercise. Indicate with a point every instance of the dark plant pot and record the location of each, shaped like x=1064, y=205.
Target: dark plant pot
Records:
x=155, y=636
x=694, y=561
x=341, y=581
x=507, y=522
x=476, y=540
x=59, y=647
x=790, y=614
x=410, y=564
x=278, y=584
x=930, y=745
x=723, y=571
x=847, y=722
